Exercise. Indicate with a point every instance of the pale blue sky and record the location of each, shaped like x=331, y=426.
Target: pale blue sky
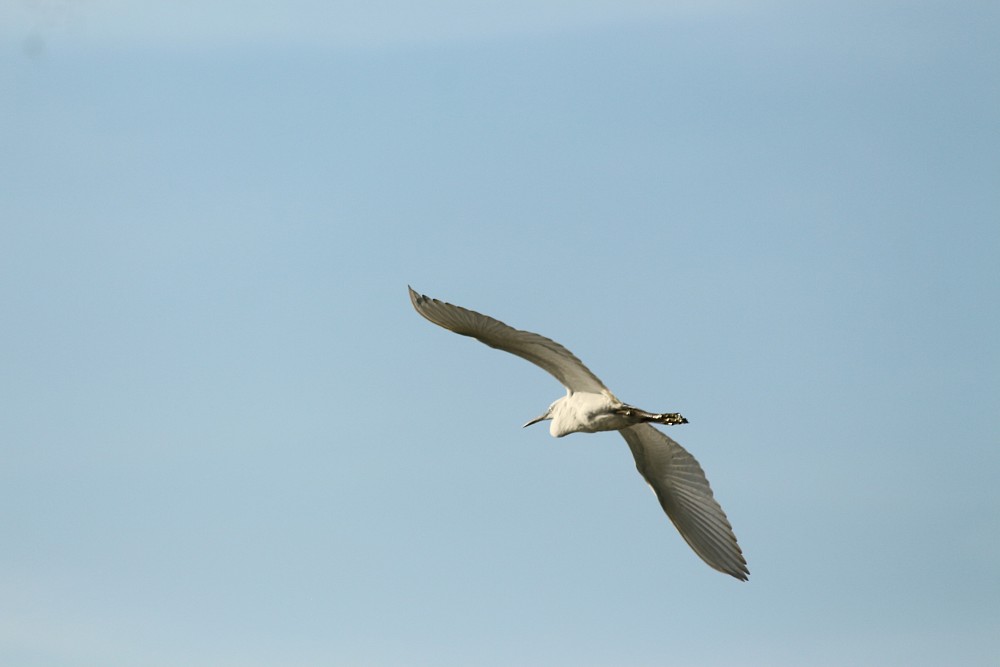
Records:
x=228, y=440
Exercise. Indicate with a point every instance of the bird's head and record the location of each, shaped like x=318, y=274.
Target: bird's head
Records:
x=546, y=415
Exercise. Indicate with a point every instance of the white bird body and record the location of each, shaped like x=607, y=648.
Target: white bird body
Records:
x=588, y=406
x=585, y=412
x=590, y=412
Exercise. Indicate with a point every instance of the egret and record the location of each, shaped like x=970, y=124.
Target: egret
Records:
x=588, y=406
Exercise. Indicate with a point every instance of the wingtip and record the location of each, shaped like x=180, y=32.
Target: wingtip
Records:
x=737, y=570
x=415, y=296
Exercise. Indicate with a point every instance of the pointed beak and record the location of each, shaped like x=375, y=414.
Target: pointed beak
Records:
x=536, y=420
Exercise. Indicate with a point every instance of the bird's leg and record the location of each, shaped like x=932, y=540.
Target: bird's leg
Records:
x=641, y=416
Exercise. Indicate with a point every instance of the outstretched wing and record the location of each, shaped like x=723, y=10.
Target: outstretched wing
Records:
x=539, y=350
x=686, y=497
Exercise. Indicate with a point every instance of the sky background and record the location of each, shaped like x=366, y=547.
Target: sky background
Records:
x=226, y=439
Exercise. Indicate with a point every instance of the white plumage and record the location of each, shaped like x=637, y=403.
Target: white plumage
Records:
x=588, y=406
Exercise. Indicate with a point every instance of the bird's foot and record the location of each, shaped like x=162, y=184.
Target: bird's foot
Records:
x=670, y=419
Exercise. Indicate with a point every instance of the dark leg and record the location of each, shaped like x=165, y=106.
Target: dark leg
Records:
x=640, y=416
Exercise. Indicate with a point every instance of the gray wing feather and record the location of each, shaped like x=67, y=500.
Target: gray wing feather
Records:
x=686, y=497
x=539, y=350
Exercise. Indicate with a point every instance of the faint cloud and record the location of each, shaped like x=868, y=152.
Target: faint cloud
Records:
x=34, y=22
x=33, y=46
x=351, y=24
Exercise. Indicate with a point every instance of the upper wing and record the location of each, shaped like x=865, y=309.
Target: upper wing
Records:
x=539, y=350
x=686, y=497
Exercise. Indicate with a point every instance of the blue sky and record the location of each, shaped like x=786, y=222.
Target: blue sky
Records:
x=227, y=439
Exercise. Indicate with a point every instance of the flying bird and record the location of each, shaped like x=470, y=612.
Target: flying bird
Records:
x=588, y=406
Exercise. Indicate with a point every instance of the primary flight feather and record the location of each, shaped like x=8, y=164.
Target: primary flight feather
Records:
x=588, y=406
